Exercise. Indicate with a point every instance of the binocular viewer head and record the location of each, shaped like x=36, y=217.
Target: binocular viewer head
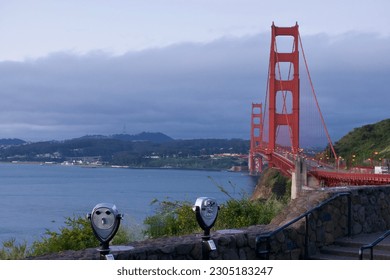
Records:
x=105, y=221
x=206, y=209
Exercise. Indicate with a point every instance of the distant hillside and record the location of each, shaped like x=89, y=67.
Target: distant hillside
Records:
x=154, y=137
x=11, y=142
x=367, y=142
x=142, y=150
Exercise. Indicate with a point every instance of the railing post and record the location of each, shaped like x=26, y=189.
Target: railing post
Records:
x=268, y=246
x=307, y=236
x=372, y=245
x=349, y=215
x=260, y=240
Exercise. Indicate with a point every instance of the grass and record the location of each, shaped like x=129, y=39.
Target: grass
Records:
x=177, y=217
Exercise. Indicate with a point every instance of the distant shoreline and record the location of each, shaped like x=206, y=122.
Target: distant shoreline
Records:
x=119, y=166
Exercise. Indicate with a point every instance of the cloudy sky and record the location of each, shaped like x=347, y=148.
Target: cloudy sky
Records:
x=190, y=69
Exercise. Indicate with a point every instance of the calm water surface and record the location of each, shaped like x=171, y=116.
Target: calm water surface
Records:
x=38, y=197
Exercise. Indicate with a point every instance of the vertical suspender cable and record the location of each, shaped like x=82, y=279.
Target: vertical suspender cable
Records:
x=265, y=105
x=315, y=98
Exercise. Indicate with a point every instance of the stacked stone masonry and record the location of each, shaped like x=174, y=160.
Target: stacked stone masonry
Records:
x=370, y=213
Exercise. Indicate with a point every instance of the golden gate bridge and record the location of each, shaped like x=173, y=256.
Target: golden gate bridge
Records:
x=276, y=124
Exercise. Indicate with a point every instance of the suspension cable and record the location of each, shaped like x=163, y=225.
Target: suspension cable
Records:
x=265, y=102
x=316, y=101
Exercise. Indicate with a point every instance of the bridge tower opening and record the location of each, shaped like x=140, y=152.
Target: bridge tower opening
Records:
x=280, y=88
x=256, y=141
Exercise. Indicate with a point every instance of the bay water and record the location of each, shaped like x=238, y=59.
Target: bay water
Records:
x=36, y=197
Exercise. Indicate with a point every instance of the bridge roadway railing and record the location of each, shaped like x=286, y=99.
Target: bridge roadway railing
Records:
x=337, y=178
x=279, y=158
x=283, y=163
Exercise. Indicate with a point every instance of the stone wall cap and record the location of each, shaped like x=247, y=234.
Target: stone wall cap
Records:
x=230, y=231
x=121, y=248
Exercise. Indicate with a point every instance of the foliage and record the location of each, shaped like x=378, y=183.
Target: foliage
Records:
x=13, y=251
x=178, y=218
x=369, y=141
x=123, y=236
x=273, y=183
x=76, y=235
x=172, y=218
x=238, y=213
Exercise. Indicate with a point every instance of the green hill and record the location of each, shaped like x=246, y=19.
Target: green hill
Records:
x=369, y=142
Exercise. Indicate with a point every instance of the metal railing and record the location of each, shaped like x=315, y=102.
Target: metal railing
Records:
x=372, y=245
x=265, y=237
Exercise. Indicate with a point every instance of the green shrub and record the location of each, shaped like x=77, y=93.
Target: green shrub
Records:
x=172, y=218
x=178, y=218
x=76, y=235
x=13, y=251
x=238, y=213
x=124, y=235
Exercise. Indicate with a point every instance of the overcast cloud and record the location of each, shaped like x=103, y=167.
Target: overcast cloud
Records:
x=188, y=90
x=190, y=69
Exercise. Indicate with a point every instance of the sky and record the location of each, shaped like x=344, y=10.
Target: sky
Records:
x=190, y=69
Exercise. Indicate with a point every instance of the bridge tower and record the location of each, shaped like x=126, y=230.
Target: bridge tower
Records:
x=255, y=160
x=277, y=86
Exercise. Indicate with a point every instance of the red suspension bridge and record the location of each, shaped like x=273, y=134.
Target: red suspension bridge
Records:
x=276, y=124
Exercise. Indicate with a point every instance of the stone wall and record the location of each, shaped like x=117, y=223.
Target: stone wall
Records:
x=370, y=213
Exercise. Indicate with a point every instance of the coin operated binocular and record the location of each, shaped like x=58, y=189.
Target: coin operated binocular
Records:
x=206, y=211
x=105, y=220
